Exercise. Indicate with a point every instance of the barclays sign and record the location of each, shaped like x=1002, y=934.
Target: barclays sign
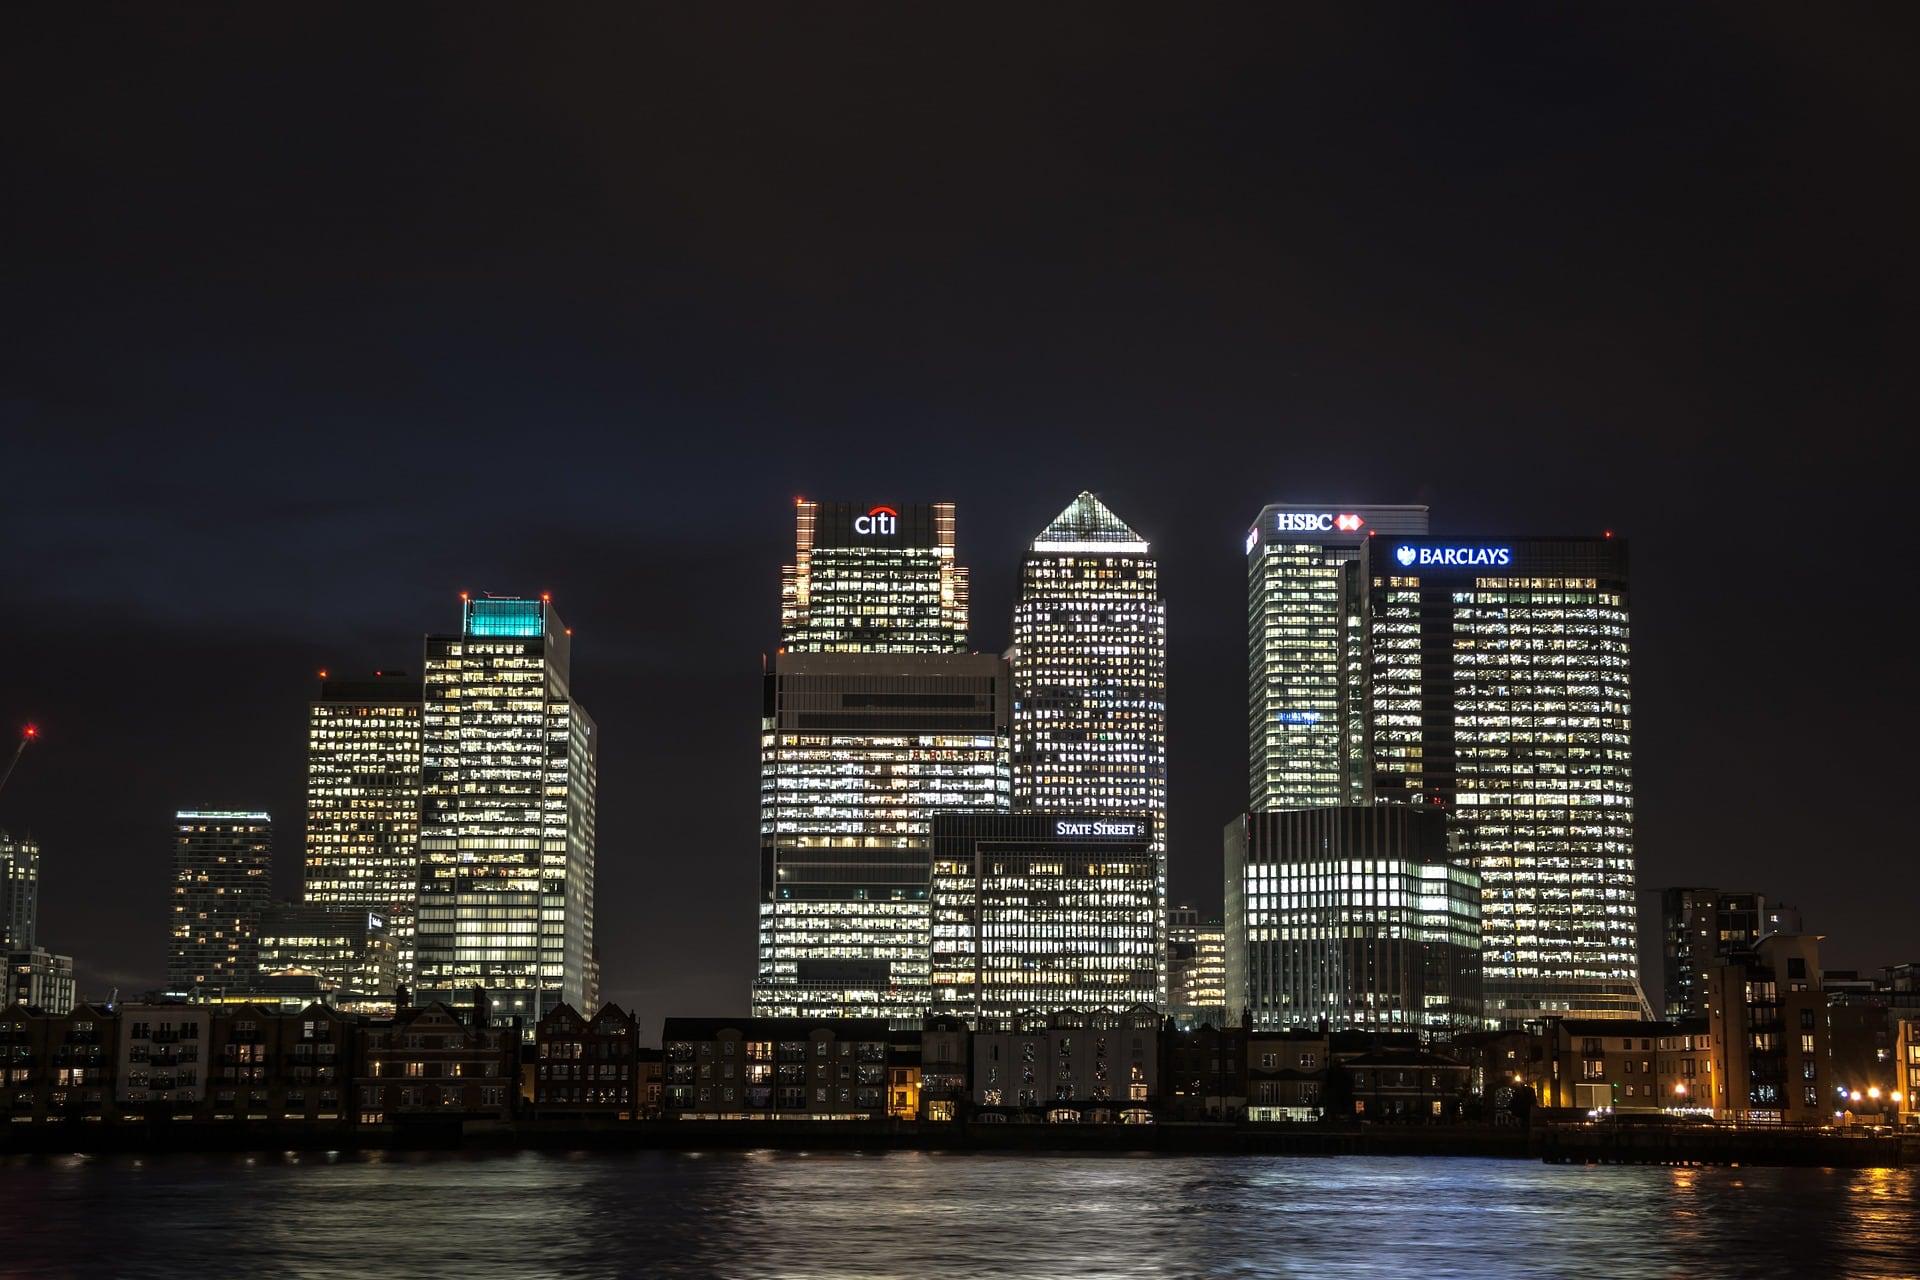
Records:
x=1461, y=557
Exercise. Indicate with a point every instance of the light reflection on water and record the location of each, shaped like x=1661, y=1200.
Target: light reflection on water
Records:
x=906, y=1213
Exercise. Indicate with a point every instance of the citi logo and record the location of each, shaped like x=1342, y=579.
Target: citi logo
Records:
x=878, y=520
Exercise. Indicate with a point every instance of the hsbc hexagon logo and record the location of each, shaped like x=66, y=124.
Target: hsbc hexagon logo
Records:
x=1348, y=523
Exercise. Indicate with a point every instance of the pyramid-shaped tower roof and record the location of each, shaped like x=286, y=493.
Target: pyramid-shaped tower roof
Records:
x=1087, y=520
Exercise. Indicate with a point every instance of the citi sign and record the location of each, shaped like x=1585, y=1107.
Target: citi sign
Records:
x=1065, y=828
x=1310, y=522
x=1454, y=557
x=878, y=520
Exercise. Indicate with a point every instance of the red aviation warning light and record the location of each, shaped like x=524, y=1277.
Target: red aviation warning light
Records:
x=1348, y=523
x=29, y=733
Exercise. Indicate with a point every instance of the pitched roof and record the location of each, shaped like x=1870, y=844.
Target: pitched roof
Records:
x=1087, y=519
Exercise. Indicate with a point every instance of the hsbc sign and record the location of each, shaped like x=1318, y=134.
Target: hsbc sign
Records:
x=1316, y=522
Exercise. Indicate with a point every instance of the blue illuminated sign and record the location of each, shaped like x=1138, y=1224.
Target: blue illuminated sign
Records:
x=1467, y=557
x=1297, y=717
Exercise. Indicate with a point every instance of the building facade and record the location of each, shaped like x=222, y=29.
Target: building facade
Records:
x=1287, y=1075
x=588, y=1067
x=363, y=803
x=19, y=892
x=1351, y=918
x=432, y=1062
x=1499, y=692
x=1040, y=912
x=1701, y=926
x=1071, y=1067
x=163, y=1066
x=39, y=978
x=509, y=774
x=1089, y=662
x=1306, y=648
x=1767, y=1014
x=349, y=948
x=858, y=752
x=775, y=1068
x=1196, y=969
x=874, y=579
x=222, y=881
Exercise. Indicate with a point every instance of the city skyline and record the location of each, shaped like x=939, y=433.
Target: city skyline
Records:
x=1195, y=882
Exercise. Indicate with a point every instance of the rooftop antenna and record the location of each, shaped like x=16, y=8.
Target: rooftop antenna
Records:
x=29, y=734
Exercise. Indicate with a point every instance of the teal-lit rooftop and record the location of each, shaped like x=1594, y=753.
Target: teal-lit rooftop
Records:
x=506, y=616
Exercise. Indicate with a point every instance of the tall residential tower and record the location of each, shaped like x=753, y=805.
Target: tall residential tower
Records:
x=222, y=881
x=19, y=892
x=508, y=777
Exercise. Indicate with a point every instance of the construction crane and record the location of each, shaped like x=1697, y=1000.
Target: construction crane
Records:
x=29, y=734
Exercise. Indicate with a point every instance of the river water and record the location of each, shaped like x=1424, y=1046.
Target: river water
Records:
x=485, y=1216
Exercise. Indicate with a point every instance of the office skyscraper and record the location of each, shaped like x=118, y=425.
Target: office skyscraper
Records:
x=508, y=777
x=874, y=579
x=1042, y=913
x=858, y=752
x=1356, y=915
x=222, y=881
x=874, y=718
x=1306, y=642
x=19, y=892
x=1498, y=691
x=1090, y=679
x=363, y=803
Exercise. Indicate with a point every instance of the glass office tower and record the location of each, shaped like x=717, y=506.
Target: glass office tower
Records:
x=1044, y=912
x=1499, y=692
x=509, y=765
x=222, y=881
x=1306, y=695
x=363, y=803
x=858, y=752
x=1090, y=679
x=873, y=579
x=1355, y=916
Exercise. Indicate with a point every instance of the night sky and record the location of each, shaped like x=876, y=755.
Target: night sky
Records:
x=316, y=317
